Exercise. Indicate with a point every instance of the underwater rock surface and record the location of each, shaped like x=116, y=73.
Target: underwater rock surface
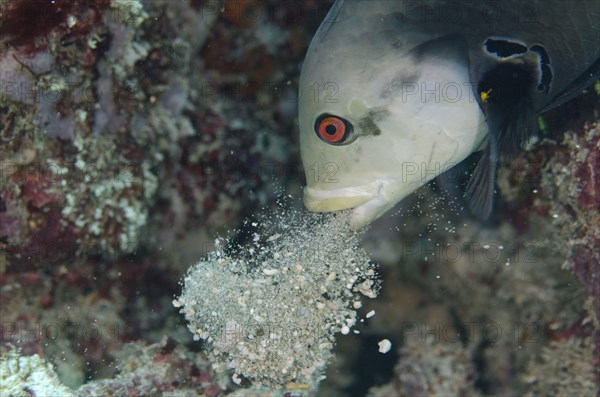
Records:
x=134, y=132
x=127, y=141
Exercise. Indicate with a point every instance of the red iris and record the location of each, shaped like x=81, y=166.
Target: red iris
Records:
x=331, y=129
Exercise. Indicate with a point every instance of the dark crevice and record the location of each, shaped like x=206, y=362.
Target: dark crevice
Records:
x=371, y=367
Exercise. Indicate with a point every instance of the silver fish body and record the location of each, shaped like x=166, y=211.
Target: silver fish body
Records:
x=417, y=86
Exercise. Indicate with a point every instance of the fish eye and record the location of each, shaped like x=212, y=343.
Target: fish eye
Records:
x=333, y=129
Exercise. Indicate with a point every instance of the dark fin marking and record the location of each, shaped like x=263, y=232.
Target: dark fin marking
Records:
x=504, y=48
x=511, y=121
x=545, y=69
x=587, y=78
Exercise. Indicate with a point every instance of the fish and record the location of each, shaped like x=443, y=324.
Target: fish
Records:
x=395, y=93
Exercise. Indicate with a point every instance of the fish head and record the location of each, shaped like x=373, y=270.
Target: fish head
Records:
x=370, y=135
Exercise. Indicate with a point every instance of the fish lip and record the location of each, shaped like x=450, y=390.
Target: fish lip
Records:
x=367, y=202
x=318, y=200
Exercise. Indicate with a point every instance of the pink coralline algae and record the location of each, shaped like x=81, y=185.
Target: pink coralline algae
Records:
x=567, y=174
x=129, y=137
x=564, y=179
x=573, y=175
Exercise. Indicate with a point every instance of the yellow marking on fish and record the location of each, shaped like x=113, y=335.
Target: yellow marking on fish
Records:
x=485, y=95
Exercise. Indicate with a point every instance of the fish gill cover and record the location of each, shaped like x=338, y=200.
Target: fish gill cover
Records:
x=269, y=310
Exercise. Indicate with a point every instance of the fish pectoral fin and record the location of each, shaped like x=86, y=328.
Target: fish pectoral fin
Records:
x=587, y=78
x=481, y=186
x=505, y=92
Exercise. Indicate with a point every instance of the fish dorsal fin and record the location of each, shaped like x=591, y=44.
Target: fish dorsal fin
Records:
x=505, y=93
x=588, y=77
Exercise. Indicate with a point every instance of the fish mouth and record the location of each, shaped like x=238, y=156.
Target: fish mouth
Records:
x=367, y=202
